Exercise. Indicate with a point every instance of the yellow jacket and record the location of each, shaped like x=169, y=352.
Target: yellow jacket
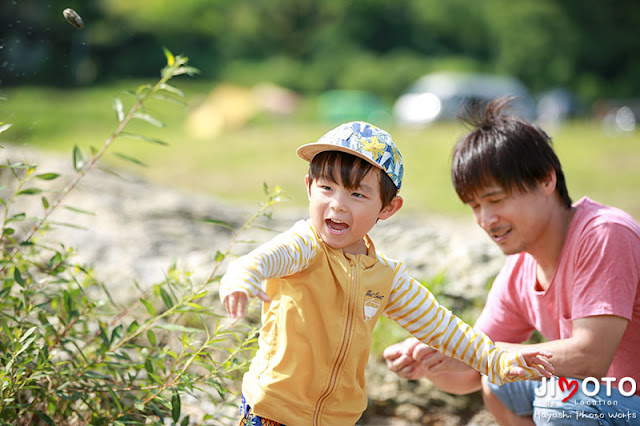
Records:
x=316, y=332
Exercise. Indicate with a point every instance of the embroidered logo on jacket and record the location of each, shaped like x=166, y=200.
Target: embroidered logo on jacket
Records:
x=372, y=302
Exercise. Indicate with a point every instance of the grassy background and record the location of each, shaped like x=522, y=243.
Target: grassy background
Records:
x=234, y=165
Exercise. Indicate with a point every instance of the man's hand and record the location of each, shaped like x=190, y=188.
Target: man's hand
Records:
x=236, y=303
x=415, y=360
x=535, y=359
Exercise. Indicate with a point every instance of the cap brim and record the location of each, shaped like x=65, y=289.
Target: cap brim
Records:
x=310, y=150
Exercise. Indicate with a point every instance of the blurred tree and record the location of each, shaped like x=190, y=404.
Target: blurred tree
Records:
x=314, y=45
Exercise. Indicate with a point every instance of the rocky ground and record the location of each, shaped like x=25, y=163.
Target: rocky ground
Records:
x=137, y=229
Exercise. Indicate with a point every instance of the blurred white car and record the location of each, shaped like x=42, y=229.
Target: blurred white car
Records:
x=443, y=95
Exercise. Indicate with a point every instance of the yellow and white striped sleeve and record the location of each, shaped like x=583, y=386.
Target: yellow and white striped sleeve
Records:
x=286, y=254
x=416, y=309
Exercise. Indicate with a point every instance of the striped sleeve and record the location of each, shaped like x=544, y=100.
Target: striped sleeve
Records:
x=416, y=309
x=284, y=255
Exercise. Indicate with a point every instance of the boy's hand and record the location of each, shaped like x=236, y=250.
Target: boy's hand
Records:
x=236, y=302
x=534, y=359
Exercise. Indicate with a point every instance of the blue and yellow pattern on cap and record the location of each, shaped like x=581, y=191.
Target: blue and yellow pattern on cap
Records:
x=363, y=140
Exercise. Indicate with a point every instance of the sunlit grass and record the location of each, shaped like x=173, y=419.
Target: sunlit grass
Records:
x=234, y=165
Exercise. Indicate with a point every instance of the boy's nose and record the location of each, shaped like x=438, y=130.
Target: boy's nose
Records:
x=337, y=203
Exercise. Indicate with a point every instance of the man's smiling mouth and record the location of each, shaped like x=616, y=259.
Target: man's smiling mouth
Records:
x=500, y=234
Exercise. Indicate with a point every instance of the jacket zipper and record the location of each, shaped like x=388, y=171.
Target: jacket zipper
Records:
x=344, y=346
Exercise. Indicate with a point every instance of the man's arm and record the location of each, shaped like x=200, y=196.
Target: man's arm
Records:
x=589, y=351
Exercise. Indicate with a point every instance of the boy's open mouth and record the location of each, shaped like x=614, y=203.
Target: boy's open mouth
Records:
x=336, y=225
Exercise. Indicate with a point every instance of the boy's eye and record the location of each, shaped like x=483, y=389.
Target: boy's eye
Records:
x=357, y=195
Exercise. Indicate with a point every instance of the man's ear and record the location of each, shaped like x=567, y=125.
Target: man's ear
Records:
x=548, y=184
x=392, y=208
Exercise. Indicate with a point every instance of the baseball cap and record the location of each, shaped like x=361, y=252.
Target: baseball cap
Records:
x=363, y=140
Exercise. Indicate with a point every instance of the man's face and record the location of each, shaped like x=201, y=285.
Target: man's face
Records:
x=514, y=220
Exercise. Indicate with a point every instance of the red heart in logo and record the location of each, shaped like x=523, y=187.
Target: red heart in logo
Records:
x=573, y=384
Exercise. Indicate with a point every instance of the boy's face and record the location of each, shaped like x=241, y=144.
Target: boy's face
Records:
x=342, y=217
x=516, y=221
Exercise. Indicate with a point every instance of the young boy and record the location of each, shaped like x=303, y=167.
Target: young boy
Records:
x=325, y=287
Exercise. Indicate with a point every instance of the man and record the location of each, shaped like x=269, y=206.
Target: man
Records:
x=572, y=273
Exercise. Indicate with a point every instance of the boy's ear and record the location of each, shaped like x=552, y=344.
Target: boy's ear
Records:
x=306, y=185
x=392, y=208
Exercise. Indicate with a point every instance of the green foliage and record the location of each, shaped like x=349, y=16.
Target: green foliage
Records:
x=579, y=44
x=71, y=354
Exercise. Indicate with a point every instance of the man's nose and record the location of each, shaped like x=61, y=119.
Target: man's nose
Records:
x=486, y=217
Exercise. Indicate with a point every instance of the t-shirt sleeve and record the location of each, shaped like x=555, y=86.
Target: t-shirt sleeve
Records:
x=501, y=318
x=607, y=272
x=284, y=255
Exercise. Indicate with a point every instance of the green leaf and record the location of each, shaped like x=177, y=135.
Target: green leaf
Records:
x=119, y=109
x=68, y=302
x=8, y=231
x=149, y=119
x=17, y=276
x=149, y=307
x=219, y=256
x=30, y=191
x=152, y=337
x=45, y=418
x=78, y=159
x=186, y=70
x=133, y=327
x=144, y=138
x=67, y=224
x=45, y=203
x=19, y=216
x=171, y=99
x=177, y=327
x=130, y=159
x=172, y=89
x=218, y=222
x=48, y=176
x=166, y=298
x=171, y=60
x=115, y=399
x=77, y=210
x=116, y=334
x=175, y=407
x=148, y=365
x=28, y=333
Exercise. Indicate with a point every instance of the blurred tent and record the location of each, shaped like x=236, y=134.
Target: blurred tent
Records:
x=229, y=107
x=337, y=106
x=444, y=95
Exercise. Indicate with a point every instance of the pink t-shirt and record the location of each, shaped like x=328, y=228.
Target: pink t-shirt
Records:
x=598, y=274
